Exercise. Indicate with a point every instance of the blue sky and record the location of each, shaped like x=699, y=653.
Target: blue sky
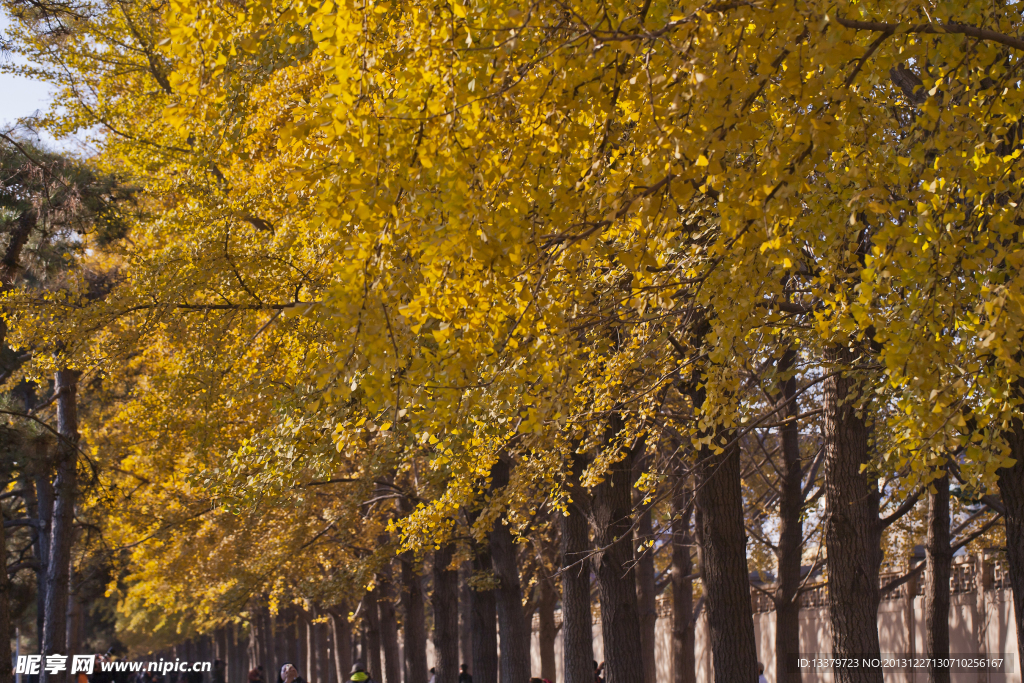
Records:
x=21, y=96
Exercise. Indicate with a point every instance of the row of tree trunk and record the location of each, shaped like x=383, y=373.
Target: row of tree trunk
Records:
x=853, y=533
x=597, y=536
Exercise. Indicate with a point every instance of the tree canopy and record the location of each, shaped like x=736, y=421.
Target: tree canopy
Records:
x=378, y=254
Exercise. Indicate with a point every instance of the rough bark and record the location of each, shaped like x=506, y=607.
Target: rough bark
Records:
x=324, y=641
x=295, y=632
x=302, y=638
x=254, y=646
x=235, y=664
x=852, y=529
x=318, y=670
x=278, y=625
x=611, y=511
x=332, y=672
x=8, y=269
x=645, y=594
x=1011, y=488
x=62, y=531
x=465, y=614
x=43, y=487
x=546, y=599
x=289, y=633
x=373, y=636
x=266, y=637
x=791, y=502
x=242, y=652
x=724, y=562
x=939, y=558
x=73, y=639
x=310, y=628
x=389, y=628
x=445, y=603
x=224, y=655
x=484, y=626
x=5, y=608
x=341, y=637
x=414, y=629
x=205, y=649
x=512, y=625
x=684, y=664
x=577, y=619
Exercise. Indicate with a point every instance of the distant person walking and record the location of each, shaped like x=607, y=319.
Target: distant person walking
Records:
x=289, y=674
x=760, y=673
x=464, y=676
x=359, y=674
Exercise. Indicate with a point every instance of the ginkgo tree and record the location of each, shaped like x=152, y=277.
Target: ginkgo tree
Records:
x=495, y=237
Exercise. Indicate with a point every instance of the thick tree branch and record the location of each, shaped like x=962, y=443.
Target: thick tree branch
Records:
x=935, y=28
x=903, y=509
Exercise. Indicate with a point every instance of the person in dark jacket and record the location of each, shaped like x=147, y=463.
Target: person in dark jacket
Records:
x=289, y=674
x=359, y=674
x=464, y=676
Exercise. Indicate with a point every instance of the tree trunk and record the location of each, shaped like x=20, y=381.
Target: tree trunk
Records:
x=302, y=618
x=512, y=624
x=646, y=600
x=389, y=628
x=791, y=503
x=620, y=620
x=279, y=627
x=234, y=663
x=266, y=641
x=8, y=268
x=465, y=614
x=445, y=602
x=310, y=627
x=242, y=652
x=484, y=627
x=939, y=557
x=62, y=532
x=332, y=672
x=5, y=608
x=73, y=639
x=319, y=672
x=414, y=629
x=224, y=655
x=341, y=636
x=324, y=643
x=684, y=665
x=372, y=633
x=577, y=619
x=254, y=645
x=547, y=597
x=205, y=644
x=852, y=529
x=1011, y=488
x=723, y=541
x=44, y=503
x=295, y=637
